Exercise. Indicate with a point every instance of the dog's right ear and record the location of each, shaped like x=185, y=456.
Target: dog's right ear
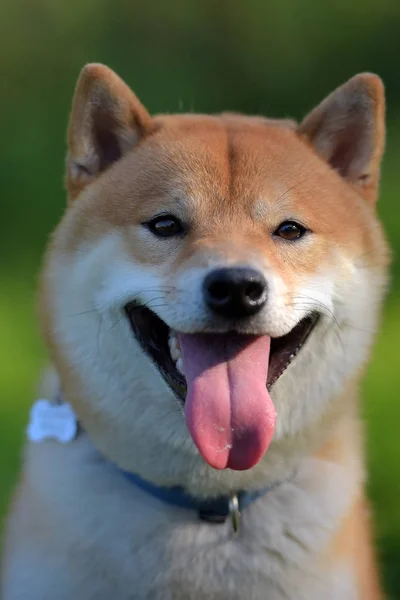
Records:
x=107, y=120
x=347, y=130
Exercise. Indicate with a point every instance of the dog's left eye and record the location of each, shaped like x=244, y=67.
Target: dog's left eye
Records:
x=165, y=226
x=290, y=230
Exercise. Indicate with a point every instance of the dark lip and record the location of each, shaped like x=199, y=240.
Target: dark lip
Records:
x=152, y=333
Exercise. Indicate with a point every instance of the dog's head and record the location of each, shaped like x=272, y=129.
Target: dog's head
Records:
x=215, y=280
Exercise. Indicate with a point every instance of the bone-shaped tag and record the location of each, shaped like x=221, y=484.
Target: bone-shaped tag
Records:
x=52, y=421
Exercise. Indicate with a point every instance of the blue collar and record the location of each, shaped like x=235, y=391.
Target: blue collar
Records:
x=215, y=510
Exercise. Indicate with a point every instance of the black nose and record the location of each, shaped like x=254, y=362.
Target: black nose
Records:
x=235, y=292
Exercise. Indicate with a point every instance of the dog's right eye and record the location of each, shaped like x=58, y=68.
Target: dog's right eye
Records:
x=165, y=226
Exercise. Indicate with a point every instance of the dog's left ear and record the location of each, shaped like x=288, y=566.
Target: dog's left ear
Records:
x=348, y=131
x=107, y=120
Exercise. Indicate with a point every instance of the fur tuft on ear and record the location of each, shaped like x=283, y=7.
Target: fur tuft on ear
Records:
x=348, y=131
x=106, y=121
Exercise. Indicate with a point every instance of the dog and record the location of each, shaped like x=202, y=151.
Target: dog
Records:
x=208, y=301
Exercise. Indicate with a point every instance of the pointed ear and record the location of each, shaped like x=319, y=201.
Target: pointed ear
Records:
x=348, y=131
x=106, y=121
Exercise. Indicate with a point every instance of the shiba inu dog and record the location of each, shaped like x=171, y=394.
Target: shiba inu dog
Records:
x=208, y=301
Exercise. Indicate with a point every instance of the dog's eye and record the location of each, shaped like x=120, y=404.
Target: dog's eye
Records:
x=290, y=230
x=165, y=226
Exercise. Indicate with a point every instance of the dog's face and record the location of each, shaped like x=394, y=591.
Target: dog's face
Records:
x=215, y=280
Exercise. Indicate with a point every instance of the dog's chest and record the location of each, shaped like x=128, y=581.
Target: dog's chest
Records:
x=200, y=564
x=278, y=554
x=117, y=541
x=181, y=561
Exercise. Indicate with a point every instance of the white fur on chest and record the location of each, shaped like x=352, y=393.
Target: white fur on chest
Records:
x=116, y=540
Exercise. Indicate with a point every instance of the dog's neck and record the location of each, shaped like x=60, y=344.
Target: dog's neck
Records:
x=335, y=438
x=56, y=420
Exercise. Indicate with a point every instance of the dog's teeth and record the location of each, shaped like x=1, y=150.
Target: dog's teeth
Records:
x=176, y=355
x=173, y=338
x=292, y=356
x=179, y=366
x=174, y=346
x=174, y=349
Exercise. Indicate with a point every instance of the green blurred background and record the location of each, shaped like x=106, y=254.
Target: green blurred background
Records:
x=277, y=58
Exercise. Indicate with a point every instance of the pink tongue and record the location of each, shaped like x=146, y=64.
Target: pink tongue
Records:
x=228, y=409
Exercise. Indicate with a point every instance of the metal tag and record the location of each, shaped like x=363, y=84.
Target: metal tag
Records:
x=234, y=513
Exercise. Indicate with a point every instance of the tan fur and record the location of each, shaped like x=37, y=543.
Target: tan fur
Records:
x=232, y=179
x=354, y=543
x=353, y=540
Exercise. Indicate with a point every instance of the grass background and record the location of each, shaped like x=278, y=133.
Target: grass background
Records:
x=277, y=58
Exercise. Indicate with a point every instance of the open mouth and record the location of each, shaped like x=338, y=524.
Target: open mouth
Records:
x=223, y=381
x=162, y=345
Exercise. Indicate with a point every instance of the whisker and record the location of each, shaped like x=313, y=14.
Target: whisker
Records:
x=363, y=329
x=308, y=300
x=326, y=311
x=114, y=324
x=153, y=306
x=168, y=289
x=158, y=289
x=290, y=189
x=84, y=312
x=147, y=304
